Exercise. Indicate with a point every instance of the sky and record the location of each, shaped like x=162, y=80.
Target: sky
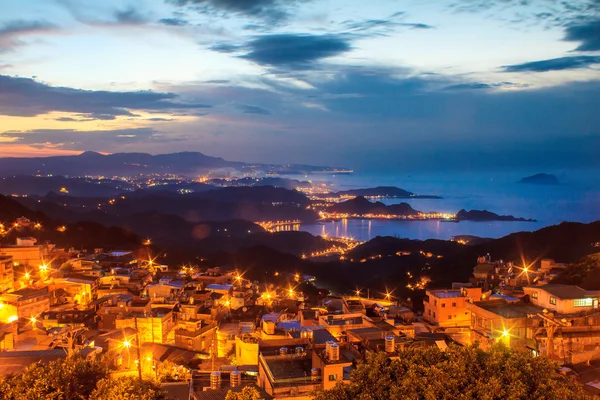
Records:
x=371, y=85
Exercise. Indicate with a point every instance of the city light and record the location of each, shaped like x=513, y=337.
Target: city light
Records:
x=126, y=344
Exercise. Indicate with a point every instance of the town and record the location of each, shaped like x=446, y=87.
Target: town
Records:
x=206, y=331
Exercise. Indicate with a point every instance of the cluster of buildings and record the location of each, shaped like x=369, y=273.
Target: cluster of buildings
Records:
x=519, y=306
x=211, y=330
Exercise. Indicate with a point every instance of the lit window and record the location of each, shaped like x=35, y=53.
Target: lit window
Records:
x=534, y=295
x=553, y=300
x=583, y=302
x=332, y=377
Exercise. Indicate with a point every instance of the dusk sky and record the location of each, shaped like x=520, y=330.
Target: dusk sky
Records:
x=364, y=84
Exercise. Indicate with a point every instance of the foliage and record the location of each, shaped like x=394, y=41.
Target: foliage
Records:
x=69, y=379
x=585, y=273
x=127, y=388
x=169, y=371
x=247, y=393
x=457, y=373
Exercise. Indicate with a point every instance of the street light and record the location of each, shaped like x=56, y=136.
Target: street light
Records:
x=126, y=344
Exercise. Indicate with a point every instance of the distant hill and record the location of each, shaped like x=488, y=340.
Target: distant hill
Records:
x=360, y=205
x=385, y=191
x=254, y=204
x=540, y=179
x=479, y=215
x=41, y=185
x=132, y=164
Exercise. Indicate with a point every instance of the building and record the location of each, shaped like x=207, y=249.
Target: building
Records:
x=447, y=308
x=24, y=303
x=156, y=326
x=338, y=324
x=505, y=320
x=7, y=274
x=563, y=299
x=289, y=368
x=27, y=253
x=199, y=336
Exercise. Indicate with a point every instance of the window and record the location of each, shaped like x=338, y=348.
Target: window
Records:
x=332, y=377
x=534, y=295
x=553, y=300
x=429, y=311
x=449, y=316
x=434, y=314
x=583, y=302
x=435, y=303
x=453, y=304
x=443, y=305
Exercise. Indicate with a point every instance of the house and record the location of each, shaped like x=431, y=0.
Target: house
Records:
x=451, y=307
x=508, y=321
x=563, y=299
x=24, y=303
x=7, y=274
x=196, y=336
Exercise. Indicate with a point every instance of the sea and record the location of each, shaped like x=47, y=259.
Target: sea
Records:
x=575, y=199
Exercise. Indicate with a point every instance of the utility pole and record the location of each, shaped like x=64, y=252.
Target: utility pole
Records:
x=137, y=339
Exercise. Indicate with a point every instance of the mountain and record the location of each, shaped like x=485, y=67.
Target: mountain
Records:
x=478, y=215
x=385, y=191
x=25, y=185
x=132, y=164
x=261, y=203
x=361, y=206
x=540, y=179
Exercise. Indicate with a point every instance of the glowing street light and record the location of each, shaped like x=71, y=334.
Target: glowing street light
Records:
x=126, y=344
x=357, y=292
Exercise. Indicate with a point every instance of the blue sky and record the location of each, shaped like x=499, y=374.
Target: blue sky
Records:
x=378, y=84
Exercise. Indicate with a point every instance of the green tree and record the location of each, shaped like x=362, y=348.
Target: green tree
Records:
x=72, y=378
x=127, y=388
x=457, y=373
x=247, y=393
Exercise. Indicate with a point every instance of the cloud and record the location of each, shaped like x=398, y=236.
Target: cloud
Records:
x=246, y=109
x=100, y=140
x=588, y=34
x=382, y=26
x=27, y=97
x=480, y=85
x=295, y=50
x=11, y=32
x=173, y=21
x=275, y=11
x=226, y=48
x=554, y=64
x=130, y=16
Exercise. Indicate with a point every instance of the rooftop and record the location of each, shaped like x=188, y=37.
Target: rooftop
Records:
x=508, y=310
x=566, y=292
x=444, y=294
x=289, y=367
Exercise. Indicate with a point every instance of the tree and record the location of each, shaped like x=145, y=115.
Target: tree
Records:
x=72, y=378
x=457, y=373
x=127, y=388
x=247, y=393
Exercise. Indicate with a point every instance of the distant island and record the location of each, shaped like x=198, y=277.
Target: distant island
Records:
x=479, y=215
x=390, y=192
x=540, y=179
x=361, y=208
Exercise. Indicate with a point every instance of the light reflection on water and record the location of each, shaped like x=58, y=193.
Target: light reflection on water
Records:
x=368, y=229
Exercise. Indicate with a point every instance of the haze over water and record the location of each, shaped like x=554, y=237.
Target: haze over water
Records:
x=576, y=199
